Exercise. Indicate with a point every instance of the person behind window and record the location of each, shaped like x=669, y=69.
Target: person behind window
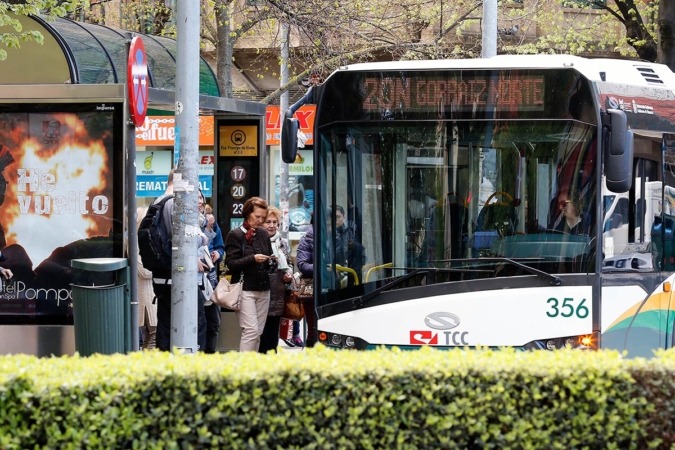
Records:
x=572, y=222
x=348, y=251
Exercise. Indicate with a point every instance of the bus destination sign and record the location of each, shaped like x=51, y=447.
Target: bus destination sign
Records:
x=454, y=91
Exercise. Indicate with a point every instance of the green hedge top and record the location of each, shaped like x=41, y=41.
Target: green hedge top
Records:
x=320, y=398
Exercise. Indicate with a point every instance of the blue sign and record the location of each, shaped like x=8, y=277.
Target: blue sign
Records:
x=155, y=185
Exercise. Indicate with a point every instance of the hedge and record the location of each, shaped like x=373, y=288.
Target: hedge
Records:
x=324, y=399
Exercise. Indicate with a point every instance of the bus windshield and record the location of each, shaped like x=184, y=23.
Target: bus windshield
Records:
x=461, y=199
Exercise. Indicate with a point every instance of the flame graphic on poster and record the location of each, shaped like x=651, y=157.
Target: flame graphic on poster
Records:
x=57, y=186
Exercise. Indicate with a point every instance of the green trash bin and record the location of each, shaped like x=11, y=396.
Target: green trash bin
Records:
x=101, y=311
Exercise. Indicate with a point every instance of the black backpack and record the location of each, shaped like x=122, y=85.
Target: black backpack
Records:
x=154, y=244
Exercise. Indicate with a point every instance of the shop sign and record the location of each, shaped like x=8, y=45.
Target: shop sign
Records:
x=159, y=131
x=155, y=185
x=303, y=165
x=158, y=162
x=305, y=115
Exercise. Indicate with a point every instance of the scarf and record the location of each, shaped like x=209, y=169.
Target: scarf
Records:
x=277, y=246
x=250, y=232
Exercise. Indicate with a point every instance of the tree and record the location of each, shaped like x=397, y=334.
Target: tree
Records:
x=576, y=27
x=327, y=34
x=224, y=23
x=12, y=33
x=666, y=31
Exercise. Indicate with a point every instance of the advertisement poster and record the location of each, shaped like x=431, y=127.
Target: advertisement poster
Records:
x=57, y=202
x=153, y=167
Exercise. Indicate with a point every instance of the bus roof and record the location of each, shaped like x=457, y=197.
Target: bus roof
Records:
x=630, y=72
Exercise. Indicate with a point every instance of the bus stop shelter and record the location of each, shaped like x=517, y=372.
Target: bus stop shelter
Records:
x=79, y=63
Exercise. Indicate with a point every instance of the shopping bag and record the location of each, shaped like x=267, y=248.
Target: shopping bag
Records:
x=286, y=330
x=294, y=309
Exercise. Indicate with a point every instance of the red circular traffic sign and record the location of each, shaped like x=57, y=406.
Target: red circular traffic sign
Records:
x=137, y=81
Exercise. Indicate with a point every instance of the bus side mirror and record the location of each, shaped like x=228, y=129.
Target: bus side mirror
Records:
x=619, y=153
x=289, y=139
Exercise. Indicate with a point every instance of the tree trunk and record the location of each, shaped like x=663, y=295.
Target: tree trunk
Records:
x=224, y=50
x=667, y=33
x=637, y=34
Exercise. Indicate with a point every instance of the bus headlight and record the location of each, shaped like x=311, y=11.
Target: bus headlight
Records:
x=336, y=340
x=583, y=342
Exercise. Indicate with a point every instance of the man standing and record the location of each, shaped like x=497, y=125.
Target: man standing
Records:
x=161, y=284
x=216, y=252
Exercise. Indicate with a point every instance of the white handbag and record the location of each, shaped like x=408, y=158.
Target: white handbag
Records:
x=228, y=295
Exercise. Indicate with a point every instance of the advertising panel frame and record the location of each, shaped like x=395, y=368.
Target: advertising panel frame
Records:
x=65, y=175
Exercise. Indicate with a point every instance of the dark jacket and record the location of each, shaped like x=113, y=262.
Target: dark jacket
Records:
x=217, y=243
x=240, y=259
x=349, y=252
x=305, y=254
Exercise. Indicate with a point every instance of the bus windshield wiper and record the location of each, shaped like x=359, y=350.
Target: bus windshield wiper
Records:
x=360, y=301
x=553, y=279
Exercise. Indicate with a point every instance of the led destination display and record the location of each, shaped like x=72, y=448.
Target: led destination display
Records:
x=453, y=90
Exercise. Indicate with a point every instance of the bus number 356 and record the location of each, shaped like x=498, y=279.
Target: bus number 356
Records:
x=568, y=307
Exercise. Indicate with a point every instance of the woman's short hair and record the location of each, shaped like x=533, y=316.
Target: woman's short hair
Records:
x=251, y=204
x=274, y=211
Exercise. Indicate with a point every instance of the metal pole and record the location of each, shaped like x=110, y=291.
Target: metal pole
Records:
x=489, y=28
x=283, y=106
x=185, y=239
x=132, y=235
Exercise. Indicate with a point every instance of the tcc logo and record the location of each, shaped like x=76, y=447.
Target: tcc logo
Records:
x=442, y=320
x=424, y=337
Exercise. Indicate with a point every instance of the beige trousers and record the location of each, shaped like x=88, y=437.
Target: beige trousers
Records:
x=252, y=317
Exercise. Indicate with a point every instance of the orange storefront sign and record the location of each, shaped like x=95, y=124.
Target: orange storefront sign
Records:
x=305, y=116
x=159, y=131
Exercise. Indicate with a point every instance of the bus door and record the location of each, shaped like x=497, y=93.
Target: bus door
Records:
x=421, y=205
x=638, y=254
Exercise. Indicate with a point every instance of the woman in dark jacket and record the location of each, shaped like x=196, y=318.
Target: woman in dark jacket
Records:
x=305, y=261
x=278, y=281
x=249, y=254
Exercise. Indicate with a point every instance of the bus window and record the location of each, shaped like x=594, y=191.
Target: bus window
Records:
x=430, y=195
x=629, y=218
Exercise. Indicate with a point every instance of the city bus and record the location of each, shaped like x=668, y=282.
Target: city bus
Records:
x=454, y=177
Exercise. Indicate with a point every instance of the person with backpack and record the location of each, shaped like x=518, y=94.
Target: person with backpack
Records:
x=154, y=245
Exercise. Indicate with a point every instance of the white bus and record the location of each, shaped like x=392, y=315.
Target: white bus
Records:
x=454, y=175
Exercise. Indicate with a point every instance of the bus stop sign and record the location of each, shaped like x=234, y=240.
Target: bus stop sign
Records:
x=137, y=81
